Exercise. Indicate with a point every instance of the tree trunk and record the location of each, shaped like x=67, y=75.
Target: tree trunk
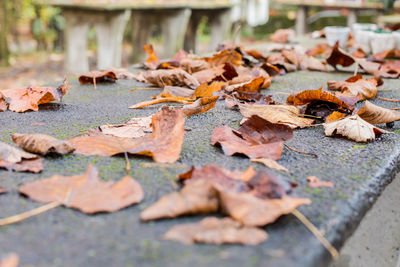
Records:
x=4, y=29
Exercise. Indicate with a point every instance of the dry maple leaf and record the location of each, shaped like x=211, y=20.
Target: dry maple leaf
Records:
x=250, y=210
x=376, y=115
x=11, y=260
x=173, y=77
x=198, y=197
x=85, y=192
x=164, y=144
x=42, y=144
x=98, y=76
x=216, y=231
x=24, y=99
x=355, y=86
x=17, y=160
x=201, y=105
x=256, y=138
x=315, y=182
x=288, y=115
x=134, y=128
x=282, y=35
x=272, y=164
x=353, y=128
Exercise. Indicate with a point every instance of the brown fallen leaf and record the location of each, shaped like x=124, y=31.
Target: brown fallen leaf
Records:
x=272, y=164
x=359, y=53
x=303, y=61
x=323, y=50
x=256, y=138
x=376, y=115
x=335, y=116
x=315, y=182
x=201, y=105
x=386, y=54
x=356, y=85
x=339, y=57
x=98, y=76
x=134, y=128
x=209, y=75
x=42, y=144
x=24, y=99
x=164, y=144
x=85, y=192
x=11, y=260
x=176, y=91
x=230, y=56
x=199, y=197
x=152, y=61
x=216, y=231
x=282, y=36
x=250, y=210
x=354, y=128
x=288, y=115
x=172, y=77
x=194, y=65
x=17, y=160
x=206, y=90
x=254, y=85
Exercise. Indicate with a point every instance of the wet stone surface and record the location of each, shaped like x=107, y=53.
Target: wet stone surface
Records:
x=66, y=237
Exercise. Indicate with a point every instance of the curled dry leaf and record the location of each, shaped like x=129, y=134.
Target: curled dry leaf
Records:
x=85, y=192
x=11, y=260
x=353, y=128
x=216, y=231
x=172, y=77
x=205, y=90
x=201, y=105
x=256, y=138
x=98, y=76
x=164, y=144
x=272, y=164
x=315, y=182
x=282, y=36
x=376, y=115
x=152, y=61
x=176, y=91
x=250, y=210
x=24, y=99
x=134, y=128
x=17, y=160
x=254, y=85
x=42, y=144
x=230, y=56
x=199, y=197
x=357, y=86
x=288, y=115
x=194, y=65
x=339, y=57
x=335, y=116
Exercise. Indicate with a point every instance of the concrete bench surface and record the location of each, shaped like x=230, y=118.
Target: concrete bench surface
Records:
x=66, y=237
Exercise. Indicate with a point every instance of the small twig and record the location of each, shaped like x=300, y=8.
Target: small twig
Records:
x=301, y=152
x=94, y=82
x=145, y=88
x=128, y=164
x=310, y=116
x=23, y=216
x=388, y=99
x=332, y=250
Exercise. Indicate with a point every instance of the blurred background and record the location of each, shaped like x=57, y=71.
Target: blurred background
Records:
x=32, y=36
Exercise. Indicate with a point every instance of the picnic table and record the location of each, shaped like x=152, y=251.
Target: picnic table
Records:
x=67, y=237
x=354, y=8
x=110, y=18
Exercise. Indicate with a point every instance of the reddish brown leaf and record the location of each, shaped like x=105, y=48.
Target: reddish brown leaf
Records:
x=315, y=182
x=282, y=35
x=201, y=105
x=320, y=49
x=216, y=231
x=98, y=76
x=42, y=144
x=24, y=99
x=173, y=77
x=198, y=197
x=339, y=57
x=256, y=54
x=85, y=192
x=210, y=74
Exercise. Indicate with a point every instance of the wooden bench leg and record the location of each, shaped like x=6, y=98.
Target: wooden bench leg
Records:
x=191, y=31
x=76, y=31
x=173, y=27
x=142, y=23
x=110, y=32
x=301, y=20
x=221, y=25
x=352, y=18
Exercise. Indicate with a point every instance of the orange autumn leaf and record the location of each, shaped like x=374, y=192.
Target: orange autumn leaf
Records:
x=335, y=116
x=205, y=89
x=201, y=105
x=85, y=192
x=254, y=85
x=225, y=56
x=25, y=99
x=315, y=182
x=152, y=61
x=143, y=104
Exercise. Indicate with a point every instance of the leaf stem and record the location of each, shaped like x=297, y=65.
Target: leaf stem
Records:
x=301, y=152
x=332, y=250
